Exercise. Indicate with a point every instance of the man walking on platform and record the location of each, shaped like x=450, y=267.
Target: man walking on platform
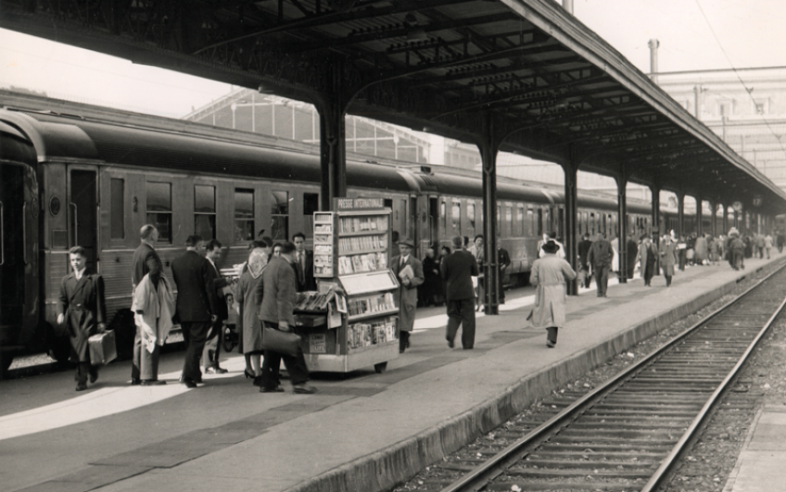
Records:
x=584, y=247
x=145, y=261
x=457, y=269
x=599, y=257
x=277, y=311
x=212, y=350
x=81, y=308
x=304, y=264
x=410, y=274
x=196, y=305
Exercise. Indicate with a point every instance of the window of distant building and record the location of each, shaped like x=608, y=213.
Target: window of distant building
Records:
x=725, y=108
x=761, y=106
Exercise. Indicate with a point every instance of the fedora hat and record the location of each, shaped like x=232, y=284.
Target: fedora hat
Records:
x=406, y=241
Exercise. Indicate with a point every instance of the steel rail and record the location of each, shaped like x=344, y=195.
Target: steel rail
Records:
x=481, y=475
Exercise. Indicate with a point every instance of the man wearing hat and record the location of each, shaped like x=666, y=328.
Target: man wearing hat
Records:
x=410, y=274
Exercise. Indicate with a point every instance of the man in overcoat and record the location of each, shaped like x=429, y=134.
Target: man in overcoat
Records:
x=196, y=307
x=668, y=257
x=410, y=274
x=648, y=256
x=211, y=354
x=549, y=275
x=279, y=292
x=457, y=269
x=599, y=256
x=82, y=309
x=144, y=261
x=584, y=246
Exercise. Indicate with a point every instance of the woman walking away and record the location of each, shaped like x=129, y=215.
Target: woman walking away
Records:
x=549, y=274
x=249, y=296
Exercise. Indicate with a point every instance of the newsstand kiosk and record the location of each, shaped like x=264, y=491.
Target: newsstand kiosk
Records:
x=351, y=321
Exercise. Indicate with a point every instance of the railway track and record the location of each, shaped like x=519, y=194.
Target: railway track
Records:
x=629, y=433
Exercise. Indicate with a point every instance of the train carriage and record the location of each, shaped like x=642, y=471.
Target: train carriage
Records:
x=97, y=181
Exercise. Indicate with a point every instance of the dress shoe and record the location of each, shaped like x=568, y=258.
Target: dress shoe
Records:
x=304, y=389
x=550, y=344
x=277, y=389
x=81, y=386
x=249, y=374
x=451, y=343
x=153, y=382
x=220, y=370
x=257, y=381
x=190, y=383
x=210, y=370
x=135, y=381
x=93, y=375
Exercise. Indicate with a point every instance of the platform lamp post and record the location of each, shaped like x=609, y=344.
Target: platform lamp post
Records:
x=680, y=213
x=571, y=170
x=622, y=223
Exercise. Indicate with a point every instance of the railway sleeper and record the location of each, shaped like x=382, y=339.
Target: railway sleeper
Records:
x=574, y=472
x=565, y=461
x=641, y=447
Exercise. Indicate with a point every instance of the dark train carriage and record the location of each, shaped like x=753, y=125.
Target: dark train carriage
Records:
x=100, y=182
x=19, y=279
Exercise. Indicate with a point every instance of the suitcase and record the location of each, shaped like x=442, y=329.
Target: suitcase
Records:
x=102, y=348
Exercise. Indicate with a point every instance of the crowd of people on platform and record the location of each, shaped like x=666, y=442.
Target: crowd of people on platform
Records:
x=264, y=295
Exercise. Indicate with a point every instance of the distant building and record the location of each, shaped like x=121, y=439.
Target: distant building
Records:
x=745, y=107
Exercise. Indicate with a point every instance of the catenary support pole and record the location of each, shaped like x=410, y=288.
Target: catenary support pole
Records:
x=489, y=147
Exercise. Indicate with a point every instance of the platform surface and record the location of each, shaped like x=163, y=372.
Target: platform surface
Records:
x=363, y=431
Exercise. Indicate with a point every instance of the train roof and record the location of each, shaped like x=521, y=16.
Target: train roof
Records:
x=68, y=137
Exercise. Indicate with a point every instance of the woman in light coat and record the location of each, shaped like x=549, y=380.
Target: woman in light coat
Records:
x=549, y=274
x=249, y=297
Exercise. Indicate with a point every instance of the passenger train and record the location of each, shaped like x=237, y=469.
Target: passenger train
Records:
x=67, y=180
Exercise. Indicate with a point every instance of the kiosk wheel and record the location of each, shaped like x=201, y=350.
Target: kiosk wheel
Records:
x=381, y=367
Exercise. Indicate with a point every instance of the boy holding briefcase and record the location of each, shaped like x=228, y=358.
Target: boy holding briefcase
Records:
x=81, y=308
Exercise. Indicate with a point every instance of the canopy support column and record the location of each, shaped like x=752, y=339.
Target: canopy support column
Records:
x=725, y=219
x=714, y=218
x=655, y=231
x=699, y=216
x=680, y=214
x=571, y=243
x=622, y=225
x=332, y=108
x=489, y=146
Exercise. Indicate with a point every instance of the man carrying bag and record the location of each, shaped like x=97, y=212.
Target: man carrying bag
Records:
x=279, y=287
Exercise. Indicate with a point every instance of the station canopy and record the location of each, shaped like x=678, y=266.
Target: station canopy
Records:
x=547, y=84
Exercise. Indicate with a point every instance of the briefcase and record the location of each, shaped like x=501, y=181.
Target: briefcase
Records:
x=283, y=342
x=103, y=349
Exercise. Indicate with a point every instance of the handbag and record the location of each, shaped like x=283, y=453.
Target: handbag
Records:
x=283, y=342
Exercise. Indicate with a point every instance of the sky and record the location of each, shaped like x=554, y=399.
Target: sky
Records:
x=693, y=35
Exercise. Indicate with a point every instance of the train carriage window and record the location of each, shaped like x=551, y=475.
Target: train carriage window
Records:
x=244, y=214
x=205, y=211
x=455, y=215
x=508, y=220
x=540, y=223
x=443, y=218
x=159, y=209
x=530, y=230
x=592, y=223
x=520, y=226
x=471, y=217
x=117, y=208
x=279, y=215
x=546, y=221
x=310, y=205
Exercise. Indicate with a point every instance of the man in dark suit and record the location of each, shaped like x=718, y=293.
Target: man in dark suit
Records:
x=457, y=269
x=584, y=246
x=599, y=257
x=304, y=264
x=82, y=309
x=276, y=311
x=196, y=305
x=212, y=350
x=145, y=260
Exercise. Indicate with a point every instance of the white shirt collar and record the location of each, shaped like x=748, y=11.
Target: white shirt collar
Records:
x=79, y=274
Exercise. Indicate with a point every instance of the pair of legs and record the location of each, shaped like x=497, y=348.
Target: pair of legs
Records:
x=212, y=350
x=194, y=334
x=144, y=368
x=403, y=341
x=296, y=367
x=551, y=336
x=668, y=280
x=461, y=313
x=601, y=273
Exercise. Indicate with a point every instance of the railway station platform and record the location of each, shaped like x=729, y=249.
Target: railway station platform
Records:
x=759, y=467
x=361, y=432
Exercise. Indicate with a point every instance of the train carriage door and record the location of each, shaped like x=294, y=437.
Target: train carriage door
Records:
x=433, y=219
x=82, y=212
